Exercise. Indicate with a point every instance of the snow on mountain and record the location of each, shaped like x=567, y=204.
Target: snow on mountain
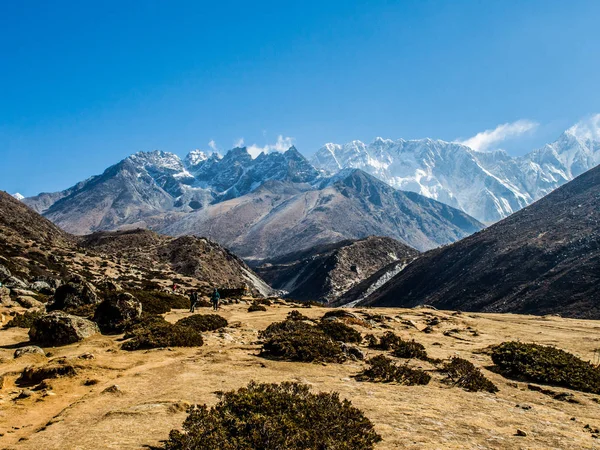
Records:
x=487, y=185
x=18, y=196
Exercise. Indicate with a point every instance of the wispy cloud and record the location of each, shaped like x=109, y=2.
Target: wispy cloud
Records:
x=587, y=129
x=239, y=143
x=487, y=139
x=282, y=144
x=213, y=145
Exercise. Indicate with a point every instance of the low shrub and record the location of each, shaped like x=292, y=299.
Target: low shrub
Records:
x=24, y=320
x=338, y=314
x=275, y=416
x=339, y=331
x=298, y=341
x=158, y=302
x=410, y=349
x=263, y=301
x=145, y=321
x=544, y=364
x=388, y=341
x=203, y=322
x=163, y=334
x=463, y=373
x=384, y=370
x=256, y=307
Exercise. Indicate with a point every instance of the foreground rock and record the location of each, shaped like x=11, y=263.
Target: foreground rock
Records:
x=29, y=350
x=58, y=328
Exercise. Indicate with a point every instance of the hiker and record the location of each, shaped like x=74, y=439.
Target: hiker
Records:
x=193, y=301
x=174, y=287
x=215, y=299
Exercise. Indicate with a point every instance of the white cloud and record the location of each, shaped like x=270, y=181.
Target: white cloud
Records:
x=587, y=129
x=239, y=143
x=213, y=145
x=489, y=138
x=282, y=144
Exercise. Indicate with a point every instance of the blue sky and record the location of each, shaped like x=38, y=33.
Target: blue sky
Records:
x=84, y=84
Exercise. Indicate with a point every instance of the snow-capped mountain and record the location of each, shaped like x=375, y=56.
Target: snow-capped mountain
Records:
x=18, y=196
x=487, y=185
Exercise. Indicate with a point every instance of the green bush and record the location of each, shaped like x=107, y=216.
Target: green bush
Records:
x=298, y=341
x=384, y=370
x=463, y=373
x=256, y=307
x=410, y=349
x=339, y=331
x=544, y=364
x=24, y=320
x=275, y=417
x=163, y=334
x=158, y=302
x=143, y=322
x=203, y=322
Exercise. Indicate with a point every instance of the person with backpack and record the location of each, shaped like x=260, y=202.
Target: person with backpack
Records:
x=215, y=299
x=193, y=301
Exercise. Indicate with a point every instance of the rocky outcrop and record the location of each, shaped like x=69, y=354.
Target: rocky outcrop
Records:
x=29, y=350
x=116, y=311
x=59, y=328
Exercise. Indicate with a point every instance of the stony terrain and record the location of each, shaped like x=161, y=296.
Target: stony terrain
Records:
x=542, y=259
x=131, y=400
x=325, y=273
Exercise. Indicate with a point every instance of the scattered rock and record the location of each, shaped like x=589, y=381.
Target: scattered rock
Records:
x=520, y=433
x=42, y=287
x=91, y=382
x=353, y=351
x=29, y=302
x=5, y=299
x=86, y=356
x=15, y=283
x=35, y=375
x=29, y=350
x=4, y=273
x=58, y=328
x=25, y=393
x=114, y=389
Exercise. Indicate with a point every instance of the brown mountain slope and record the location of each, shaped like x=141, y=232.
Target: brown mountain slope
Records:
x=32, y=249
x=324, y=273
x=543, y=259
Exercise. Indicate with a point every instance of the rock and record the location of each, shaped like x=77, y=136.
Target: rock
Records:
x=5, y=299
x=2, y=381
x=116, y=311
x=58, y=328
x=42, y=287
x=14, y=282
x=353, y=351
x=25, y=393
x=109, y=286
x=77, y=292
x=4, y=273
x=29, y=350
x=18, y=291
x=35, y=375
x=114, y=389
x=29, y=302
x=520, y=433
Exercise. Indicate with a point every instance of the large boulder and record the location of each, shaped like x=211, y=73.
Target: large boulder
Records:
x=75, y=293
x=29, y=350
x=5, y=299
x=115, y=312
x=59, y=328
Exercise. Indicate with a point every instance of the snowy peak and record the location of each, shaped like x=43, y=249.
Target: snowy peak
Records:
x=587, y=129
x=18, y=196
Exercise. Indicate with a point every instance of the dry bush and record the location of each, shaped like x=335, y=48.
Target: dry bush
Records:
x=203, y=322
x=463, y=373
x=385, y=370
x=275, y=417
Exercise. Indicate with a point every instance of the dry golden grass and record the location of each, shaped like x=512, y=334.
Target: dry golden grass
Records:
x=156, y=386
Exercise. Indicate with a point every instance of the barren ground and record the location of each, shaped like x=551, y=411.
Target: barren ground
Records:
x=156, y=386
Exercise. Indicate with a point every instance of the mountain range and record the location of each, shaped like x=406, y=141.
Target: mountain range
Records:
x=486, y=185
x=544, y=259
x=274, y=204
